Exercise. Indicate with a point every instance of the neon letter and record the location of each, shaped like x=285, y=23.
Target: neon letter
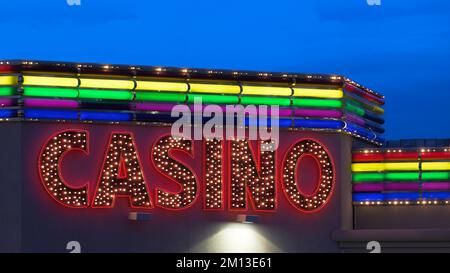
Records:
x=50, y=170
x=307, y=203
x=175, y=171
x=245, y=176
x=122, y=175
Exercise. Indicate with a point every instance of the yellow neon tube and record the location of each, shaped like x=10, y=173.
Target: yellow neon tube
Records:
x=318, y=93
x=106, y=83
x=215, y=88
x=266, y=90
x=8, y=80
x=162, y=86
x=435, y=166
x=380, y=167
x=50, y=81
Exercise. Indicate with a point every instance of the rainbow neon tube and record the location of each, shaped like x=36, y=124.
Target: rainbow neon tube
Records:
x=50, y=114
x=50, y=103
x=391, y=156
x=353, y=89
x=105, y=116
x=8, y=113
x=400, y=176
x=318, y=113
x=7, y=102
x=7, y=91
x=379, y=187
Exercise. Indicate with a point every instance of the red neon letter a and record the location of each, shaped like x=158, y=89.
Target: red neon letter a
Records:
x=122, y=175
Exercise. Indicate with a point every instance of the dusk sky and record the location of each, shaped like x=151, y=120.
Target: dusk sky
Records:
x=400, y=49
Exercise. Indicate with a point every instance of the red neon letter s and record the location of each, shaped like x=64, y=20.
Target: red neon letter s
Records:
x=245, y=175
x=308, y=203
x=122, y=175
x=175, y=171
x=50, y=158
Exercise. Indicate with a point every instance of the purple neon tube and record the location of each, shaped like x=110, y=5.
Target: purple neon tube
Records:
x=51, y=103
x=355, y=119
x=6, y=102
x=378, y=187
x=318, y=113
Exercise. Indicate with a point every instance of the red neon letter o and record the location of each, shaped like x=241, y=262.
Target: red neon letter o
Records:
x=302, y=202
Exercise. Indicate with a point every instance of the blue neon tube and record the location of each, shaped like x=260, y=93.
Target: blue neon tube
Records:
x=50, y=114
x=106, y=116
x=318, y=123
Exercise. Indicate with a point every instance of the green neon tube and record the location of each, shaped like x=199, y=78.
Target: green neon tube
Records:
x=354, y=109
x=8, y=91
x=381, y=177
x=206, y=98
x=317, y=103
x=435, y=176
x=106, y=94
x=160, y=96
x=265, y=101
x=50, y=92
x=374, y=108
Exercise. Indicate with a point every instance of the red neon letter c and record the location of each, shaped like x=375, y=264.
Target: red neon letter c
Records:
x=50, y=170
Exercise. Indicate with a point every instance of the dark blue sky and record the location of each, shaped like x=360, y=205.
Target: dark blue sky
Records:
x=400, y=49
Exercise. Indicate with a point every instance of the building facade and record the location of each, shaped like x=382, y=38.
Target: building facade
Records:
x=90, y=163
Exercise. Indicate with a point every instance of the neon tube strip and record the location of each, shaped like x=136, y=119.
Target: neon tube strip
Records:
x=435, y=166
x=266, y=90
x=50, y=103
x=7, y=102
x=106, y=116
x=435, y=155
x=322, y=124
x=105, y=94
x=282, y=123
x=404, y=186
x=162, y=86
x=50, y=114
x=400, y=176
x=400, y=166
x=265, y=100
x=364, y=94
x=49, y=81
x=317, y=103
x=208, y=98
x=8, y=80
x=371, y=157
x=435, y=186
x=397, y=196
x=215, y=88
x=318, y=113
x=358, y=102
x=106, y=83
x=364, y=123
x=8, y=113
x=381, y=177
x=160, y=107
x=355, y=119
x=318, y=93
x=160, y=96
x=378, y=187
x=386, y=166
x=352, y=128
x=7, y=91
x=144, y=117
x=50, y=92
